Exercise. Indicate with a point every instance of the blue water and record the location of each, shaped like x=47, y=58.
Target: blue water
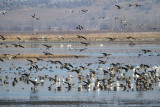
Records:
x=120, y=53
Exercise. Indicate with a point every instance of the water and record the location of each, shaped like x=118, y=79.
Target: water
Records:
x=120, y=52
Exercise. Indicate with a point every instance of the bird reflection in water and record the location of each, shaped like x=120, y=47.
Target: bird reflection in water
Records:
x=34, y=95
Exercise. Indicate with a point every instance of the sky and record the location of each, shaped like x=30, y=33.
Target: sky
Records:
x=93, y=15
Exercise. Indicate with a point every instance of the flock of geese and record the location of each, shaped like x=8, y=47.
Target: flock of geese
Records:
x=104, y=77
x=89, y=76
x=80, y=27
x=95, y=76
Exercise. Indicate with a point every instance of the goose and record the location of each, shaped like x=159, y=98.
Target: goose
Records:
x=1, y=60
x=87, y=84
x=117, y=85
x=19, y=39
x=34, y=33
x=0, y=79
x=42, y=80
x=85, y=43
x=137, y=5
x=50, y=88
x=68, y=64
x=70, y=11
x=69, y=85
x=105, y=54
x=61, y=37
x=52, y=28
x=111, y=39
x=102, y=18
x=3, y=12
x=33, y=16
x=131, y=43
x=129, y=37
x=6, y=82
x=43, y=37
x=116, y=18
x=13, y=83
x=58, y=88
x=25, y=74
x=82, y=67
x=154, y=28
x=77, y=71
x=55, y=62
x=81, y=37
x=47, y=46
x=37, y=18
x=18, y=45
x=146, y=51
x=105, y=72
x=79, y=88
x=102, y=62
x=140, y=26
x=34, y=82
x=30, y=61
x=82, y=49
x=10, y=57
x=39, y=59
x=119, y=7
x=2, y=37
x=97, y=83
x=79, y=27
x=16, y=80
x=84, y=10
x=46, y=53
x=21, y=46
x=130, y=5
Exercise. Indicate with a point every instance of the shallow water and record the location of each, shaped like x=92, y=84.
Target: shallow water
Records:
x=120, y=52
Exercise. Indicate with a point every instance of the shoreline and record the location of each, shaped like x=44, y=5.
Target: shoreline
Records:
x=48, y=102
x=34, y=56
x=121, y=102
x=50, y=37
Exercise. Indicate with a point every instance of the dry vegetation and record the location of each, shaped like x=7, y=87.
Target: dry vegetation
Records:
x=34, y=56
x=72, y=37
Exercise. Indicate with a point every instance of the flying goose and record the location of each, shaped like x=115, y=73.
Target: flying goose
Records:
x=79, y=27
x=119, y=7
x=85, y=43
x=81, y=37
x=2, y=37
x=47, y=46
x=1, y=60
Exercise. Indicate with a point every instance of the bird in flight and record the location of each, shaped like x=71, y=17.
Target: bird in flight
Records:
x=33, y=16
x=119, y=7
x=81, y=37
x=2, y=37
x=79, y=27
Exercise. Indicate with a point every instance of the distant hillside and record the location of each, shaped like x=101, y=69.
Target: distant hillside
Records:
x=66, y=15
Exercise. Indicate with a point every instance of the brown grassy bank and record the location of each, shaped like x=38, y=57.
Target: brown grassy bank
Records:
x=72, y=37
x=41, y=56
